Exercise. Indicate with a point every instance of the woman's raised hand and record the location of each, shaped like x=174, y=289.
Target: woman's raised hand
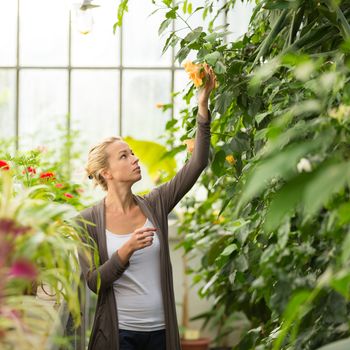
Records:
x=204, y=92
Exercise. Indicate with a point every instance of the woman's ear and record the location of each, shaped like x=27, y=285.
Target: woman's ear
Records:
x=106, y=174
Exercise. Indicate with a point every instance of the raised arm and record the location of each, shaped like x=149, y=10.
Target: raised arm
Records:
x=170, y=193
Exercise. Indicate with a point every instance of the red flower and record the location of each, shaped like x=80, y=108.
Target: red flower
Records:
x=4, y=165
x=68, y=195
x=47, y=175
x=24, y=269
x=29, y=170
x=59, y=185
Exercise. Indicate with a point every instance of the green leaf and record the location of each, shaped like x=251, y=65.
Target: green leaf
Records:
x=184, y=7
x=218, y=164
x=167, y=2
x=193, y=35
x=223, y=101
x=219, y=68
x=122, y=8
x=240, y=143
x=182, y=54
x=344, y=213
x=285, y=201
x=172, y=40
x=212, y=58
x=229, y=249
x=189, y=8
x=281, y=164
x=328, y=180
x=241, y=263
x=171, y=14
x=164, y=25
x=150, y=153
x=341, y=283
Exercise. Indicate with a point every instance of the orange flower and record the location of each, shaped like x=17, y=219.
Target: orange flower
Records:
x=189, y=144
x=195, y=72
x=231, y=159
x=159, y=105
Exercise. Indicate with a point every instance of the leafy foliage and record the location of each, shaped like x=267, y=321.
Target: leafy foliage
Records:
x=273, y=232
x=275, y=247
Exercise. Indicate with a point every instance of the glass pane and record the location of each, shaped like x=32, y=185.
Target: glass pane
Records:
x=44, y=32
x=181, y=84
x=95, y=103
x=8, y=31
x=100, y=47
x=142, y=45
x=196, y=20
x=43, y=100
x=7, y=103
x=142, y=90
x=239, y=18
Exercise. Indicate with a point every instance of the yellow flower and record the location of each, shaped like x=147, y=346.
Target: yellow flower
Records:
x=231, y=159
x=189, y=144
x=195, y=72
x=219, y=220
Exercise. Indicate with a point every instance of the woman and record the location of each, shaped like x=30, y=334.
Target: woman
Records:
x=136, y=307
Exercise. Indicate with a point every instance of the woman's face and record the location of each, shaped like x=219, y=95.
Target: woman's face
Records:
x=123, y=164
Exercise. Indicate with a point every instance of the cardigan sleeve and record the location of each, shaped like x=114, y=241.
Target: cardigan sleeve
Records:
x=172, y=191
x=98, y=277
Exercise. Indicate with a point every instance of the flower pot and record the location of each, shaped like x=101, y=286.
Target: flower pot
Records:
x=196, y=344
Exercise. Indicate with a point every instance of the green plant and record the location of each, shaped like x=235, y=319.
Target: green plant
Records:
x=37, y=244
x=279, y=170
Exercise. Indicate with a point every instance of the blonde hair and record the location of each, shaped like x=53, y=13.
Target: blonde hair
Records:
x=98, y=161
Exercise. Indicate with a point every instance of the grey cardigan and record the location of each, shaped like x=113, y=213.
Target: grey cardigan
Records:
x=156, y=206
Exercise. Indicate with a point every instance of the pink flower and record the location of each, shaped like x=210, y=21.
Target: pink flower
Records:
x=68, y=195
x=59, y=185
x=29, y=170
x=23, y=269
x=10, y=226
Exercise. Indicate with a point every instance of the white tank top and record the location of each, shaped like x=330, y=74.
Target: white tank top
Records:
x=138, y=291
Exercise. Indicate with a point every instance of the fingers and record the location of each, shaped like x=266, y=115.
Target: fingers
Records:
x=144, y=236
x=140, y=236
x=145, y=229
x=210, y=74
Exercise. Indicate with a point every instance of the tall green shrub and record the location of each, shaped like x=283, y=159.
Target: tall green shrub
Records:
x=276, y=252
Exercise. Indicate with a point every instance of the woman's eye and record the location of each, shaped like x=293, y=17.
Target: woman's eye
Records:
x=123, y=156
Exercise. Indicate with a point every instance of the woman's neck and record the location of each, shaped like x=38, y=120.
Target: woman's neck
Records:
x=119, y=202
